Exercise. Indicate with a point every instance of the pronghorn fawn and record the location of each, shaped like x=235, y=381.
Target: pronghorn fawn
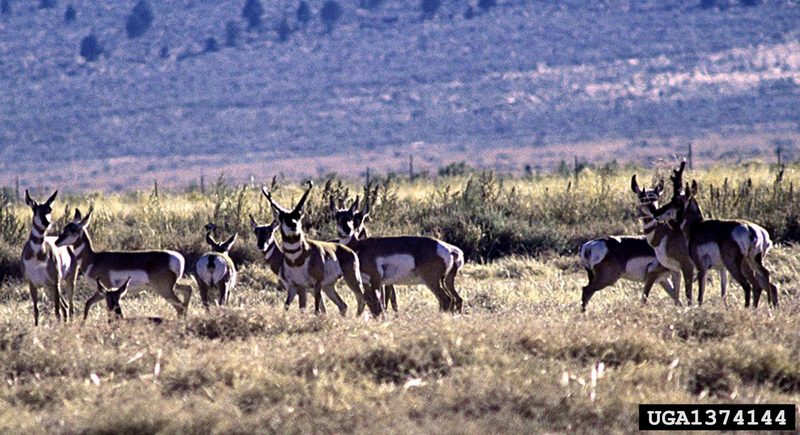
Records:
x=215, y=269
x=46, y=265
x=608, y=259
x=317, y=265
x=113, y=307
x=669, y=242
x=736, y=245
x=351, y=224
x=159, y=270
x=406, y=260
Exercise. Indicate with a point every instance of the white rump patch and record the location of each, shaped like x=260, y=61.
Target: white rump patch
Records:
x=398, y=269
x=751, y=245
x=209, y=276
x=592, y=253
x=176, y=263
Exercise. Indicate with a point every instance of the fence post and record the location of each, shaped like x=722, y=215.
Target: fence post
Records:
x=16, y=185
x=410, y=166
x=689, y=157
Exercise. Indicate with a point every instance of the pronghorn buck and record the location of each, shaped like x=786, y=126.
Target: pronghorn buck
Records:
x=215, y=269
x=265, y=242
x=738, y=246
x=112, y=297
x=315, y=264
x=46, y=265
x=159, y=270
x=351, y=225
x=608, y=259
x=406, y=260
x=670, y=245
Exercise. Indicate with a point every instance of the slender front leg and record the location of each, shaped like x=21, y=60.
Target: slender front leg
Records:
x=318, y=298
x=701, y=284
x=35, y=300
x=688, y=274
x=303, y=298
x=290, y=294
x=59, y=304
x=723, y=286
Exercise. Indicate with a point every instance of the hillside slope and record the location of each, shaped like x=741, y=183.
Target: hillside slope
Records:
x=627, y=79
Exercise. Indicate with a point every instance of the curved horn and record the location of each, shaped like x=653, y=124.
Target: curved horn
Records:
x=226, y=245
x=354, y=206
x=272, y=202
x=210, y=240
x=300, y=204
x=635, y=185
x=253, y=222
x=123, y=289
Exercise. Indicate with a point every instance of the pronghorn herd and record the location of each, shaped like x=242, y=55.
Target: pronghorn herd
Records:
x=368, y=265
x=677, y=241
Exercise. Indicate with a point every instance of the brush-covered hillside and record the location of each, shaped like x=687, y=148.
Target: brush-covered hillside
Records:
x=115, y=94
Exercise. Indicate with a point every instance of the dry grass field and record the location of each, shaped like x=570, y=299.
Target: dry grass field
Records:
x=520, y=359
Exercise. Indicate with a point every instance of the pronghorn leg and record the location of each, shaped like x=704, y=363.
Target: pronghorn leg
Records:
x=687, y=270
x=391, y=295
x=747, y=271
x=597, y=281
x=59, y=304
x=331, y=292
x=290, y=294
x=203, y=289
x=302, y=295
x=224, y=293
x=318, y=298
x=95, y=298
x=734, y=268
x=762, y=275
x=450, y=285
x=668, y=287
x=723, y=286
x=71, y=280
x=35, y=300
x=702, y=273
x=186, y=291
x=676, y=283
x=169, y=294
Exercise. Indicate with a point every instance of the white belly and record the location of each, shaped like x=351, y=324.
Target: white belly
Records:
x=637, y=268
x=709, y=256
x=398, y=269
x=139, y=279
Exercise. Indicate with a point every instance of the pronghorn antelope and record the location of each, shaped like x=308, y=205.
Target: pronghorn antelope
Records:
x=157, y=269
x=112, y=298
x=608, y=259
x=735, y=245
x=316, y=264
x=670, y=244
x=353, y=221
x=215, y=269
x=265, y=242
x=46, y=265
x=407, y=260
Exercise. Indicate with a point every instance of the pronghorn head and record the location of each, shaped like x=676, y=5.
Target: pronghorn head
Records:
x=73, y=231
x=683, y=209
x=290, y=220
x=346, y=218
x=41, y=212
x=223, y=247
x=647, y=196
x=265, y=234
x=112, y=298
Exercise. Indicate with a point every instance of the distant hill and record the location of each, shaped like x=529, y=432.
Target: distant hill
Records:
x=523, y=82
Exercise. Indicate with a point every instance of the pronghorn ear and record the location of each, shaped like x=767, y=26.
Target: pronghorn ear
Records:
x=226, y=246
x=695, y=187
x=210, y=240
x=29, y=201
x=52, y=198
x=87, y=219
x=100, y=287
x=78, y=215
x=253, y=222
x=300, y=204
x=123, y=290
x=355, y=204
x=635, y=185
